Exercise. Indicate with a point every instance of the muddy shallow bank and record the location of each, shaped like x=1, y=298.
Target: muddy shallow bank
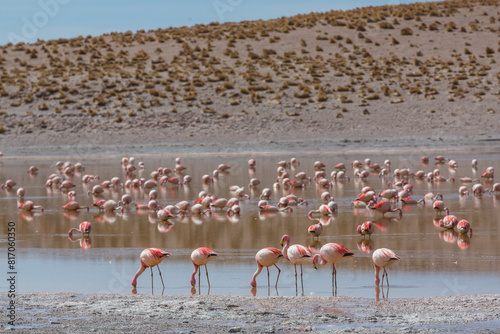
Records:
x=81, y=313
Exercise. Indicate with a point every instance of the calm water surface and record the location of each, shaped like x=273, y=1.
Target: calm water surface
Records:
x=434, y=262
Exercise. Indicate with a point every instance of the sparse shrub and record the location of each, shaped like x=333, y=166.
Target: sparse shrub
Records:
x=406, y=32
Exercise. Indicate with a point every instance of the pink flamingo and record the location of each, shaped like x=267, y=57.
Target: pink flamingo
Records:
x=200, y=257
x=382, y=258
x=84, y=228
x=223, y=168
x=266, y=257
x=331, y=253
x=449, y=222
x=9, y=184
x=273, y=209
x=150, y=257
x=464, y=228
x=20, y=192
x=219, y=203
x=412, y=201
x=73, y=206
x=384, y=207
x=366, y=228
x=67, y=184
x=297, y=254
x=29, y=206
x=324, y=210
x=489, y=173
x=438, y=207
x=315, y=229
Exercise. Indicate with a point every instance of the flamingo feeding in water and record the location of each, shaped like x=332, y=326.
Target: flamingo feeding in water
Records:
x=266, y=257
x=200, y=257
x=384, y=207
x=73, y=206
x=463, y=227
x=150, y=257
x=297, y=254
x=315, y=229
x=449, y=222
x=84, y=228
x=29, y=206
x=331, y=253
x=323, y=209
x=382, y=258
x=366, y=228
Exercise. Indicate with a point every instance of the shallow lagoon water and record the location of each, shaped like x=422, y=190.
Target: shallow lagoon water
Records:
x=434, y=262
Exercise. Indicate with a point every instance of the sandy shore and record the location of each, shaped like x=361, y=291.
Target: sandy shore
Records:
x=80, y=313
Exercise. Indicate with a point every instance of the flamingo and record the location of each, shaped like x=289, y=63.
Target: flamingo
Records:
x=252, y=162
x=324, y=209
x=384, y=207
x=463, y=191
x=367, y=196
x=110, y=205
x=198, y=209
x=29, y=206
x=439, y=207
x=150, y=257
x=266, y=193
x=9, y=184
x=96, y=190
x=366, y=228
x=126, y=200
x=219, y=203
x=463, y=227
x=266, y=257
x=412, y=201
x=84, y=228
x=67, y=184
x=200, y=257
x=254, y=182
x=449, y=221
x=318, y=165
x=488, y=174
x=478, y=189
x=315, y=229
x=164, y=214
x=297, y=254
x=273, y=209
x=382, y=258
x=21, y=192
x=73, y=206
x=223, y=168
x=331, y=253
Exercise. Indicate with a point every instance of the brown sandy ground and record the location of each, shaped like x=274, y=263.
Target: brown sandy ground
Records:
x=80, y=313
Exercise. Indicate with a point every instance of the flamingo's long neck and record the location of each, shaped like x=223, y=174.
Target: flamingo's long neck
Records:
x=285, y=250
x=139, y=272
x=193, y=280
x=257, y=273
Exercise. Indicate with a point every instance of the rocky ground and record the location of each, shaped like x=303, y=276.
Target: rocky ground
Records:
x=77, y=313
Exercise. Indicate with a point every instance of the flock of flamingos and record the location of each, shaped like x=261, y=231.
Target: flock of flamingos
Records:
x=384, y=202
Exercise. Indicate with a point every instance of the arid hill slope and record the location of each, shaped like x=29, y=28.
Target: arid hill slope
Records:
x=426, y=70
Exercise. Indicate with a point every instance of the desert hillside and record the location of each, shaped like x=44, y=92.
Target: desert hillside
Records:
x=425, y=69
